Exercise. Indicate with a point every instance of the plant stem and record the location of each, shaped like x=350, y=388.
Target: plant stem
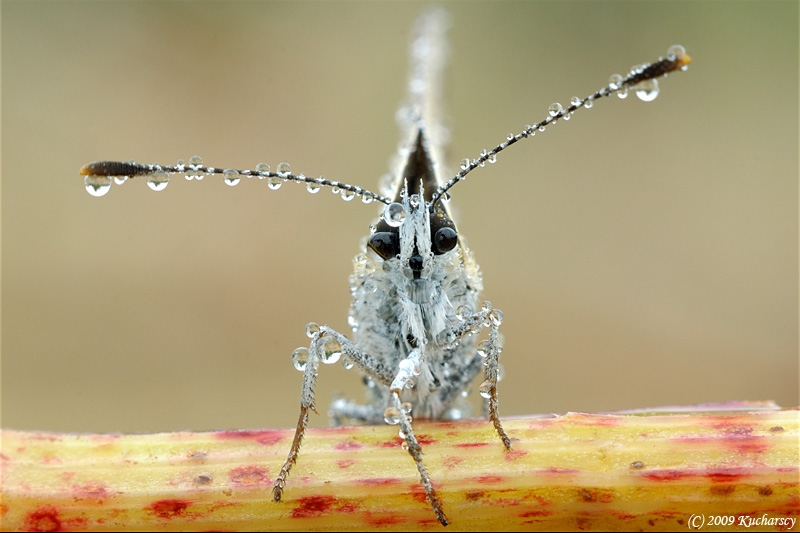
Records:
x=590, y=472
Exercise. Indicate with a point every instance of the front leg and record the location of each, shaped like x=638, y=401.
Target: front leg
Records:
x=327, y=346
x=488, y=352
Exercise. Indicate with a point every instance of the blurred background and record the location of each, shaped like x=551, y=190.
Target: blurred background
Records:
x=644, y=254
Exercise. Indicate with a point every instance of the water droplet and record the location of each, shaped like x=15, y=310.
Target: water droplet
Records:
x=402, y=435
x=311, y=329
x=158, y=180
x=414, y=200
x=542, y=127
x=566, y=116
x=465, y=163
x=331, y=350
x=483, y=348
x=274, y=183
x=501, y=372
x=555, y=109
x=575, y=101
x=485, y=390
x=313, y=187
x=366, y=198
x=647, y=90
x=196, y=161
x=463, y=312
x=181, y=165
x=615, y=82
x=410, y=384
x=589, y=103
x=394, y=214
x=622, y=93
x=406, y=408
x=119, y=180
x=407, y=366
x=486, y=306
x=492, y=157
x=263, y=167
x=404, y=445
x=496, y=317
x=300, y=358
x=347, y=195
x=97, y=185
x=347, y=363
x=231, y=176
x=284, y=169
x=391, y=416
x=676, y=51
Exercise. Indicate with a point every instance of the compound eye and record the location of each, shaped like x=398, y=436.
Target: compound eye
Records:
x=444, y=240
x=384, y=244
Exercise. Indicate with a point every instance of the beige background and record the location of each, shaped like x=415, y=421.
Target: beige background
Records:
x=643, y=254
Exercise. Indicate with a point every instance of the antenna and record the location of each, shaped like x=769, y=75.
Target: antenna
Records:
x=642, y=79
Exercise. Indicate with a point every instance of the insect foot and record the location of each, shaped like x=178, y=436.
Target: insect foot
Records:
x=415, y=313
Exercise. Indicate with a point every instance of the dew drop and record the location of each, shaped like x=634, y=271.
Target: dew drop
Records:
x=300, y=358
x=158, y=181
x=501, y=372
x=483, y=348
x=274, y=183
x=347, y=195
x=284, y=169
x=406, y=408
x=402, y=435
x=97, y=185
x=589, y=103
x=263, y=167
x=575, y=101
x=312, y=328
x=366, y=198
x=647, y=90
x=615, y=82
x=465, y=163
x=555, y=109
x=347, y=363
x=486, y=306
x=231, y=177
x=676, y=51
x=313, y=187
x=622, y=93
x=331, y=350
x=180, y=165
x=496, y=317
x=542, y=127
x=394, y=214
x=566, y=116
x=406, y=366
x=119, y=180
x=391, y=416
x=485, y=389
x=196, y=161
x=463, y=312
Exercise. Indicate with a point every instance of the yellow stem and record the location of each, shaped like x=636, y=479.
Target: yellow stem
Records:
x=577, y=471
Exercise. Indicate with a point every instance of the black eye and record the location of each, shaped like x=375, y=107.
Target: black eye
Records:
x=385, y=244
x=444, y=240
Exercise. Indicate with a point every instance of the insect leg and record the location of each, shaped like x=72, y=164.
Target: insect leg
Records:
x=414, y=449
x=326, y=346
x=489, y=350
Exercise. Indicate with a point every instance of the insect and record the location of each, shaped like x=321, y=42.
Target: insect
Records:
x=415, y=313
